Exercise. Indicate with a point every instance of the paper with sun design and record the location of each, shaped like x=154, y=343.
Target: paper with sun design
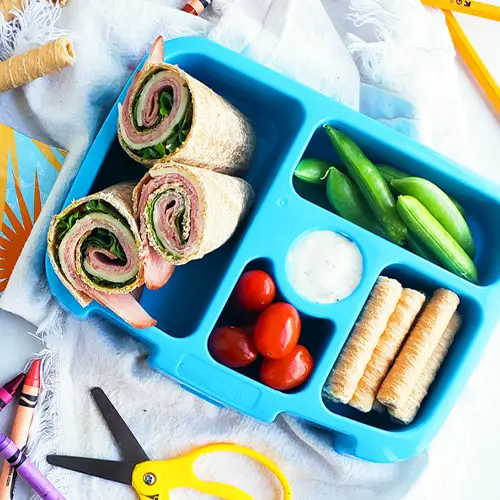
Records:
x=28, y=170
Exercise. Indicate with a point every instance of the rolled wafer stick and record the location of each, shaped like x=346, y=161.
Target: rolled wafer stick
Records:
x=6, y=7
x=44, y=60
x=358, y=349
x=399, y=325
x=408, y=411
x=418, y=348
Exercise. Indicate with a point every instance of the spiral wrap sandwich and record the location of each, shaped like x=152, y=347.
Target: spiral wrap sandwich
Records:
x=169, y=115
x=94, y=247
x=184, y=213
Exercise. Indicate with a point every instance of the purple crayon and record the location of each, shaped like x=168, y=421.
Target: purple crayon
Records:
x=27, y=470
x=8, y=391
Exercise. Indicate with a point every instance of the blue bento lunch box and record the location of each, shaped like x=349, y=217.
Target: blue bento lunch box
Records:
x=287, y=118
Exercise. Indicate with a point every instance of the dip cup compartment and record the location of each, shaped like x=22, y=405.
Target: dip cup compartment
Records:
x=473, y=192
x=324, y=267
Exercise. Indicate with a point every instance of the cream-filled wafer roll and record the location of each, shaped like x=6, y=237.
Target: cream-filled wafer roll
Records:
x=408, y=411
x=362, y=341
x=45, y=60
x=6, y=6
x=399, y=325
x=418, y=348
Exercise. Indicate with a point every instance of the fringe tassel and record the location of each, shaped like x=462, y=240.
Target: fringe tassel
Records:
x=373, y=58
x=46, y=425
x=402, y=29
x=33, y=25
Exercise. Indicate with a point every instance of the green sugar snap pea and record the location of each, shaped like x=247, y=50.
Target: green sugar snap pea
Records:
x=346, y=199
x=391, y=173
x=435, y=238
x=372, y=185
x=312, y=170
x=441, y=207
x=419, y=249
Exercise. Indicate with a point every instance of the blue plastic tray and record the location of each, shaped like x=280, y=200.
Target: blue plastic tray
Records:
x=288, y=118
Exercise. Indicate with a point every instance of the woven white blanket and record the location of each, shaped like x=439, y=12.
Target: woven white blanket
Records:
x=404, y=56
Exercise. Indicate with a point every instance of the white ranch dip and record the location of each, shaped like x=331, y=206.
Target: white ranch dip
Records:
x=324, y=266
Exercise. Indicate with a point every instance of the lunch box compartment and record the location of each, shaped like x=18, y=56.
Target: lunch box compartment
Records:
x=287, y=118
x=316, y=333
x=471, y=313
x=276, y=117
x=482, y=210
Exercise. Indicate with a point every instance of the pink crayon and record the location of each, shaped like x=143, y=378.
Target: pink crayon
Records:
x=21, y=427
x=8, y=391
x=18, y=460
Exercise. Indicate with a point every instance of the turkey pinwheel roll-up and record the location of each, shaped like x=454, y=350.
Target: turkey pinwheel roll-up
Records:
x=167, y=115
x=185, y=213
x=94, y=247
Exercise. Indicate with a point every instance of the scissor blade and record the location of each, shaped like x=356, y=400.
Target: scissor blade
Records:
x=130, y=448
x=119, y=472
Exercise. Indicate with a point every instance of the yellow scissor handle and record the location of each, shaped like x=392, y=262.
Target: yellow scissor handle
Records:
x=158, y=478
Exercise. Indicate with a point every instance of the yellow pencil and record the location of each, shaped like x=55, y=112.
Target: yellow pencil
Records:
x=470, y=7
x=473, y=61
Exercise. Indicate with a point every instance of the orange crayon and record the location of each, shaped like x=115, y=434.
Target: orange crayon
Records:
x=196, y=7
x=21, y=427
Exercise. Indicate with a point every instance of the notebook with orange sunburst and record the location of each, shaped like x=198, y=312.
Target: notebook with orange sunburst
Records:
x=28, y=170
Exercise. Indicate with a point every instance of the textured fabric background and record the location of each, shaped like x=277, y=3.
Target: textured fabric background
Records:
x=299, y=39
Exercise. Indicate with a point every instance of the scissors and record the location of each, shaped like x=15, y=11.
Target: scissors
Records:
x=151, y=479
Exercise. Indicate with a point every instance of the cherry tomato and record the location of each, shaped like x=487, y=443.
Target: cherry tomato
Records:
x=288, y=372
x=255, y=290
x=277, y=330
x=232, y=346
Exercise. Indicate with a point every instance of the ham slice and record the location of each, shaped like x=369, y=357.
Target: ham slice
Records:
x=157, y=271
x=126, y=307
x=157, y=52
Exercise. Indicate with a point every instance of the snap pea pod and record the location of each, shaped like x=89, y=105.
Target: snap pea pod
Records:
x=390, y=173
x=346, y=199
x=370, y=182
x=439, y=204
x=312, y=170
x=434, y=236
x=419, y=249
